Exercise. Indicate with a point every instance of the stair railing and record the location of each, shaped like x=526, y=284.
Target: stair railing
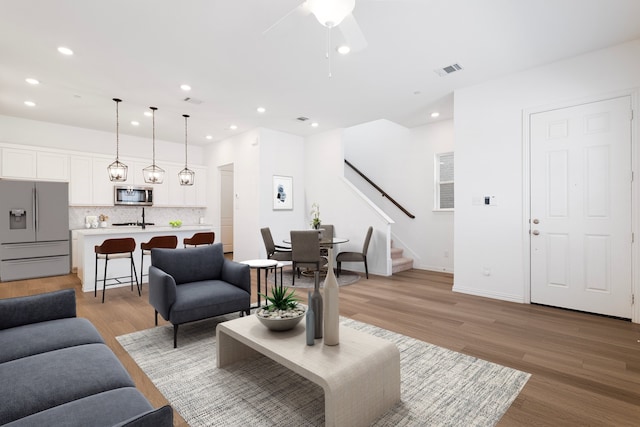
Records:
x=382, y=192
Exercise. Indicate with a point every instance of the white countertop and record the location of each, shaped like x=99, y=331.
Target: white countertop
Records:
x=136, y=229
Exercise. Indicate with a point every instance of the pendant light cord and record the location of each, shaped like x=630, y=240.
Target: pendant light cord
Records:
x=153, y=133
x=117, y=129
x=186, y=116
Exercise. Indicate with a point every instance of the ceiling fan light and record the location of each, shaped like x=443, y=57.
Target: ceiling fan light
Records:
x=330, y=13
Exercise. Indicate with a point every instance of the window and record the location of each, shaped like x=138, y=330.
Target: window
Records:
x=444, y=181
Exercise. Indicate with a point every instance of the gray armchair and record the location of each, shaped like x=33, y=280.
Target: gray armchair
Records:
x=305, y=251
x=186, y=285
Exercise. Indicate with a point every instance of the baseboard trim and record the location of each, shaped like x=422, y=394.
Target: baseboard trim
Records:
x=489, y=294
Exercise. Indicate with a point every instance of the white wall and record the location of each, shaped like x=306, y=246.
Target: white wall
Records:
x=50, y=135
x=341, y=204
x=256, y=156
x=401, y=162
x=489, y=160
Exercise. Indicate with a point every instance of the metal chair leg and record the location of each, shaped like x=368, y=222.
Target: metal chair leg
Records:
x=135, y=274
x=104, y=278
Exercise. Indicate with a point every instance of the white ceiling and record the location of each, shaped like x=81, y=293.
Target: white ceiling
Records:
x=142, y=50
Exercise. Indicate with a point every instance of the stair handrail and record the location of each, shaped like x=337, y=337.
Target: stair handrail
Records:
x=380, y=190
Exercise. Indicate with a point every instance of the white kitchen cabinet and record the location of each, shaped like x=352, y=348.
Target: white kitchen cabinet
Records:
x=80, y=181
x=52, y=166
x=188, y=195
x=102, y=186
x=34, y=164
x=18, y=163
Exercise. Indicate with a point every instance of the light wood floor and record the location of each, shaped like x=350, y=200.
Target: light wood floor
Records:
x=585, y=368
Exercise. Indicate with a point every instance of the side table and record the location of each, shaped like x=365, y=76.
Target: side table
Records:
x=262, y=264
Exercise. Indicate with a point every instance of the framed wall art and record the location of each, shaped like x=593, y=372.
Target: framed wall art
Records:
x=282, y=192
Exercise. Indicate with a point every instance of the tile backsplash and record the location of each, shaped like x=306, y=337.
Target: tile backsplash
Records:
x=159, y=216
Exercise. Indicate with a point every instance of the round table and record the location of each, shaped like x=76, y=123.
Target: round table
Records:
x=266, y=265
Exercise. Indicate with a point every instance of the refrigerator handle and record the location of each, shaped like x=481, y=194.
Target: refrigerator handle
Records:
x=35, y=209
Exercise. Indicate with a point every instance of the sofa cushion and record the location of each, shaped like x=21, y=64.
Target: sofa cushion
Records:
x=200, y=300
x=40, y=382
x=190, y=265
x=37, y=308
x=109, y=408
x=36, y=338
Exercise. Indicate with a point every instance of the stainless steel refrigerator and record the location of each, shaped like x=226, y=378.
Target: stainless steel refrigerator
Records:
x=34, y=229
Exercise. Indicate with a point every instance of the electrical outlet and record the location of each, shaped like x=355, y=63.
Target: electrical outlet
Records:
x=446, y=254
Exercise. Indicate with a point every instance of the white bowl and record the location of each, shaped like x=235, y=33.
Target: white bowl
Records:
x=281, y=323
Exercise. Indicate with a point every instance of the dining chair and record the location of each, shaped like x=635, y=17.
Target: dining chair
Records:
x=305, y=251
x=356, y=256
x=277, y=252
x=326, y=239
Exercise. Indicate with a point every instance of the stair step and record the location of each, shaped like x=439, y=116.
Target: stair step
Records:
x=401, y=264
x=396, y=253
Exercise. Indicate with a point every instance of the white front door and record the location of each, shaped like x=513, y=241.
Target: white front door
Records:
x=581, y=207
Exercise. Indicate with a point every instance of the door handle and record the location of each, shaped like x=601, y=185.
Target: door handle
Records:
x=535, y=232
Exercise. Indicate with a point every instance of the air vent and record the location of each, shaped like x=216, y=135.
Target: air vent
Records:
x=192, y=100
x=448, y=69
x=302, y=118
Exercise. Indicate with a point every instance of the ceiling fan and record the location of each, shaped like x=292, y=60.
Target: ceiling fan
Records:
x=332, y=14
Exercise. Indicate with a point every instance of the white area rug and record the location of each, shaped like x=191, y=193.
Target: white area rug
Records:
x=439, y=387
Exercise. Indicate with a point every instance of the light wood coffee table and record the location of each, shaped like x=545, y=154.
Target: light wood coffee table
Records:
x=360, y=376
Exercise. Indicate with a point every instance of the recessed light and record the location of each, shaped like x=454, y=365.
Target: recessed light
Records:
x=343, y=50
x=148, y=113
x=261, y=110
x=435, y=114
x=209, y=137
x=32, y=81
x=65, y=50
x=186, y=88
x=29, y=103
x=134, y=123
x=314, y=125
x=233, y=127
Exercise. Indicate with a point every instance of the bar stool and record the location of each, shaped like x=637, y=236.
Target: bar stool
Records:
x=115, y=249
x=199, y=239
x=169, y=242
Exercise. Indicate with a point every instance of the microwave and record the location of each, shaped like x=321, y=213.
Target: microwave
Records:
x=133, y=196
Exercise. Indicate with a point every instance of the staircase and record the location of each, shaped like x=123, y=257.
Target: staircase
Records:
x=398, y=262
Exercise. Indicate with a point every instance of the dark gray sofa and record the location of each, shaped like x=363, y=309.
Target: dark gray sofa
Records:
x=192, y=284
x=55, y=370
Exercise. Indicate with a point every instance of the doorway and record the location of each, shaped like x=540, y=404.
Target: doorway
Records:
x=226, y=207
x=581, y=207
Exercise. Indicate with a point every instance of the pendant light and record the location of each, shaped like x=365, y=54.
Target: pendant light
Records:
x=186, y=176
x=153, y=174
x=117, y=170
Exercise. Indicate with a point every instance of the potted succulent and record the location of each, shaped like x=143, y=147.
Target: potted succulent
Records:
x=282, y=311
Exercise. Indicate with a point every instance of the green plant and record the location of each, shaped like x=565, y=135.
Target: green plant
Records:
x=315, y=214
x=281, y=299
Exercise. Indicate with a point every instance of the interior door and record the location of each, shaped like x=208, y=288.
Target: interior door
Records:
x=226, y=208
x=581, y=207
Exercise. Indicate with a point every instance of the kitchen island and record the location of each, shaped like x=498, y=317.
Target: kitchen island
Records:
x=88, y=238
